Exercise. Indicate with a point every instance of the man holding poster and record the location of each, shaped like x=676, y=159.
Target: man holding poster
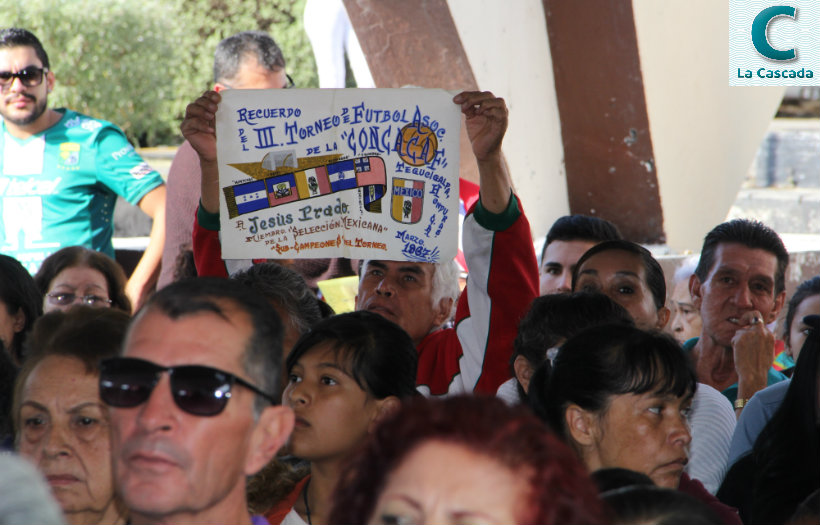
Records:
x=497, y=244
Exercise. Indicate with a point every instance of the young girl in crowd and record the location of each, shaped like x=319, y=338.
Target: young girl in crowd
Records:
x=345, y=375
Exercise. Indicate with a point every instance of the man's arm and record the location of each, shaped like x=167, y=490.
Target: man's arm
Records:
x=486, y=120
x=503, y=278
x=145, y=275
x=199, y=129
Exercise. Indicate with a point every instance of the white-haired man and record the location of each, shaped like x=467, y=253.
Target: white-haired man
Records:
x=419, y=297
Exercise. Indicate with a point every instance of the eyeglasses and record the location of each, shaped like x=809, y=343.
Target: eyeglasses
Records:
x=66, y=299
x=29, y=77
x=126, y=382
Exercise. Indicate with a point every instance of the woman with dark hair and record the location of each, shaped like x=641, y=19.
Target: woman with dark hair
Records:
x=657, y=505
x=20, y=305
x=344, y=375
x=621, y=398
x=61, y=424
x=77, y=274
x=783, y=468
x=550, y=321
x=464, y=459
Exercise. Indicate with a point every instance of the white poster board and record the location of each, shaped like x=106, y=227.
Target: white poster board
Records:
x=357, y=173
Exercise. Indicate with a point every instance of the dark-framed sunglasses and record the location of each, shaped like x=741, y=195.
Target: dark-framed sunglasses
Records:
x=127, y=382
x=30, y=76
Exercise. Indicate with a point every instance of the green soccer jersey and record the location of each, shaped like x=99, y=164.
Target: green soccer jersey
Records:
x=58, y=187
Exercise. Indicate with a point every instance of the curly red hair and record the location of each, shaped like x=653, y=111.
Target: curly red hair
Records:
x=561, y=489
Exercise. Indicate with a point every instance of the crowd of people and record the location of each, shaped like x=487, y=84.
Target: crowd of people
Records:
x=579, y=390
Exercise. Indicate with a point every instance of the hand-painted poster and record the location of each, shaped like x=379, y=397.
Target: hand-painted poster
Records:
x=358, y=173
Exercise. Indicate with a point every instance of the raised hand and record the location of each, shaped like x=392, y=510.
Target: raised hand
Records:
x=198, y=125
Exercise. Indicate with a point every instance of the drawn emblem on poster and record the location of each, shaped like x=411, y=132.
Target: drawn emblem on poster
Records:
x=339, y=173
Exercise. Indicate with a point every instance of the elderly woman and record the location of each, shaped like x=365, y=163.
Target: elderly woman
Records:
x=61, y=424
x=620, y=397
x=464, y=460
x=77, y=275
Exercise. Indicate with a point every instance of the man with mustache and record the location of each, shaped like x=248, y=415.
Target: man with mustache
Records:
x=60, y=171
x=739, y=288
x=194, y=402
x=420, y=297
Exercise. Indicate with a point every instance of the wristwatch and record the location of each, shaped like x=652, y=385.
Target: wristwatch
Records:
x=740, y=402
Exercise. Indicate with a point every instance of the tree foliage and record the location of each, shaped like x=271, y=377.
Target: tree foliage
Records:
x=138, y=64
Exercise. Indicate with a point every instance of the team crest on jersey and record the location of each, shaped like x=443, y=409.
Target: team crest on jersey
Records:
x=69, y=155
x=140, y=170
x=90, y=125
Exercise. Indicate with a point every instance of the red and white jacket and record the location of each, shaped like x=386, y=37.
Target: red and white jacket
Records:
x=503, y=281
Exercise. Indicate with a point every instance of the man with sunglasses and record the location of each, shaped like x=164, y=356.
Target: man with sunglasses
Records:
x=61, y=172
x=193, y=406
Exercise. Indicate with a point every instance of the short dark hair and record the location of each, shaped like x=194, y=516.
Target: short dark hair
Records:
x=19, y=292
x=19, y=37
x=806, y=289
x=231, y=51
x=560, y=490
x=286, y=289
x=606, y=361
x=655, y=279
x=554, y=318
x=651, y=504
x=382, y=358
x=749, y=233
x=84, y=333
x=72, y=256
x=581, y=228
x=262, y=357
x=614, y=478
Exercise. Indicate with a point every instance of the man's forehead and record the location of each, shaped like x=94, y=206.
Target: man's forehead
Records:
x=17, y=52
x=559, y=249
x=738, y=257
x=201, y=338
x=404, y=266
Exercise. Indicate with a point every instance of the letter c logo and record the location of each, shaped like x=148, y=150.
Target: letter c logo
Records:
x=760, y=27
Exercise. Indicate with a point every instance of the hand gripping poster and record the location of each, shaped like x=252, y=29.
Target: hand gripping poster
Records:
x=357, y=173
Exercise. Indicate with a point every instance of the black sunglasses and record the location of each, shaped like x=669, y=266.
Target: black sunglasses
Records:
x=30, y=76
x=127, y=382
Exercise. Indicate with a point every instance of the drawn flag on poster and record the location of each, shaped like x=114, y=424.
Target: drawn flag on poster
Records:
x=251, y=197
x=341, y=175
x=371, y=175
x=373, y=197
x=408, y=198
x=312, y=182
x=282, y=189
